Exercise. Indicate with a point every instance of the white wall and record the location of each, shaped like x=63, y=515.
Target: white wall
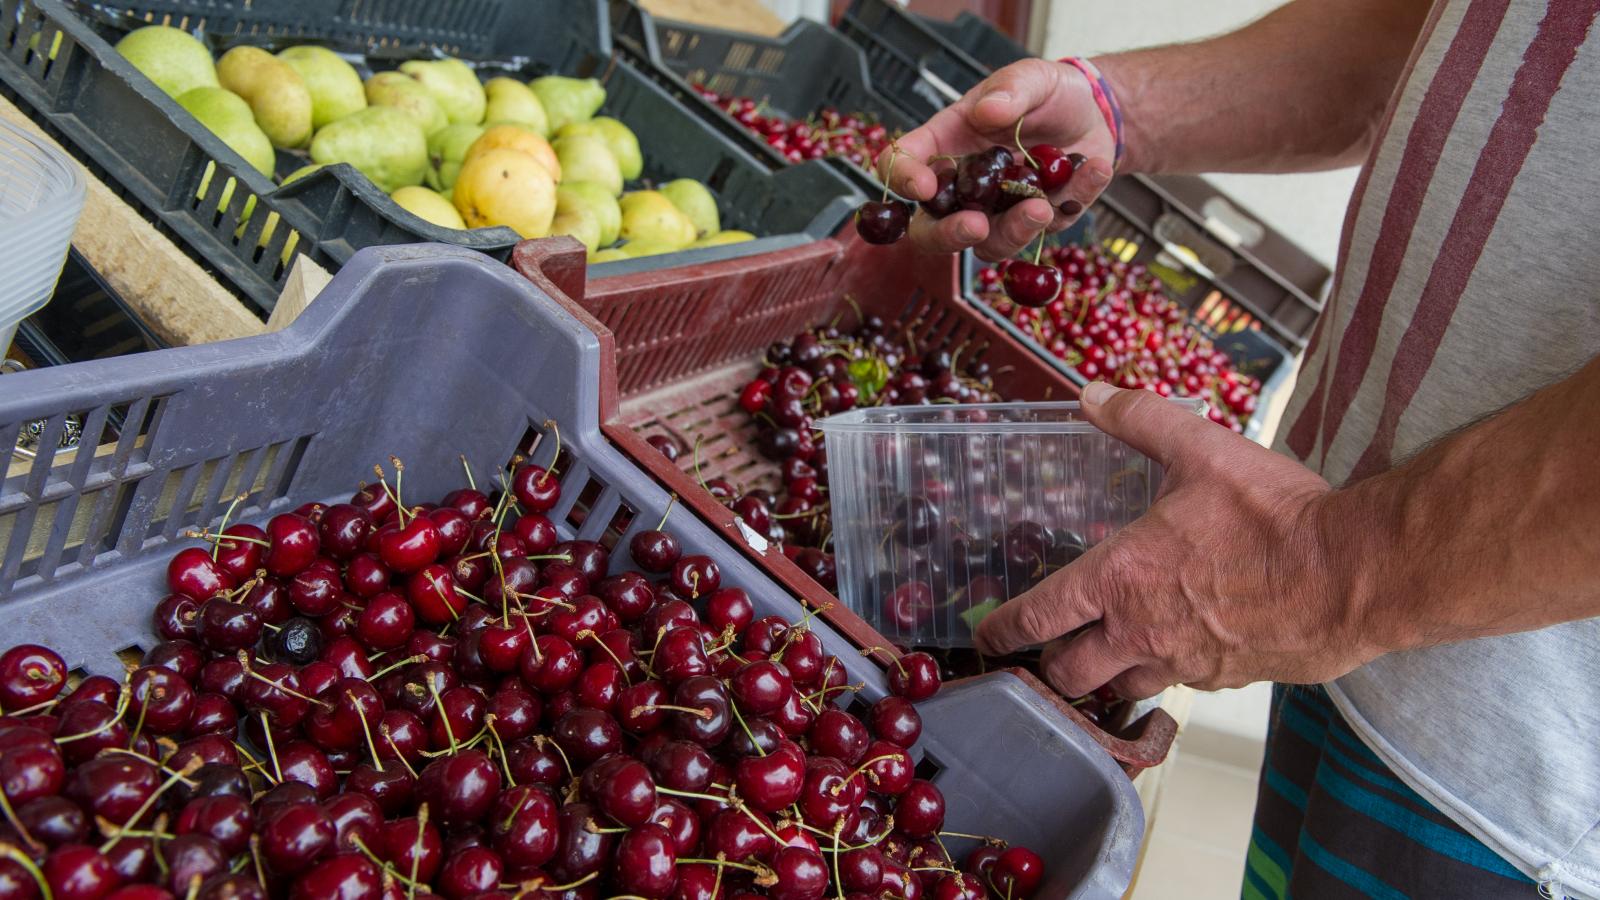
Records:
x=1308, y=208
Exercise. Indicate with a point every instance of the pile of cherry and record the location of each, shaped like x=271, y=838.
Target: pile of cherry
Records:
x=374, y=700
x=1112, y=321
x=852, y=136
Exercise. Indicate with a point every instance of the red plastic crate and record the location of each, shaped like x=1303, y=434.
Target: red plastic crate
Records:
x=677, y=346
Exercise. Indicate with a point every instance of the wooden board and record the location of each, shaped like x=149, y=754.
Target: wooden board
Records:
x=734, y=15
x=180, y=302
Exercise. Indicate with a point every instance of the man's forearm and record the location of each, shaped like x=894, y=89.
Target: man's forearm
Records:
x=1494, y=530
x=1303, y=88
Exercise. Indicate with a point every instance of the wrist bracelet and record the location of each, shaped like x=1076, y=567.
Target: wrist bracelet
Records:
x=1105, y=99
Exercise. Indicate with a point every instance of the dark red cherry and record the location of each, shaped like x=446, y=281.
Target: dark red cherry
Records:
x=386, y=623
x=78, y=872
x=883, y=221
x=915, y=676
x=889, y=770
x=1017, y=872
x=194, y=574
x=622, y=788
x=190, y=858
x=696, y=576
x=535, y=488
x=840, y=735
x=225, y=626
x=161, y=698
x=943, y=202
x=1055, y=168
x=772, y=782
x=589, y=557
x=738, y=835
x=293, y=544
x=550, y=664
x=646, y=862
x=411, y=844
x=730, y=608
x=177, y=617
x=831, y=792
x=761, y=687
x=537, y=532
x=54, y=821
x=654, y=551
x=460, y=789
x=470, y=501
x=472, y=872
x=587, y=734
x=347, y=876
x=454, y=527
x=409, y=548
x=30, y=675
x=628, y=595
x=242, y=556
x=895, y=720
x=920, y=812
x=432, y=593
x=228, y=820
x=681, y=766
x=344, y=530
x=1018, y=182
x=1031, y=284
x=801, y=873
x=580, y=851
x=355, y=817
x=861, y=870
x=523, y=827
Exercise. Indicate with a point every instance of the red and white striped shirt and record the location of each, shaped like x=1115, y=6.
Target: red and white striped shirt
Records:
x=1466, y=280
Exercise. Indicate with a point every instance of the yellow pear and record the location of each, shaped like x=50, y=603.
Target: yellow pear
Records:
x=275, y=91
x=452, y=83
x=578, y=221
x=597, y=200
x=407, y=94
x=586, y=157
x=170, y=57
x=520, y=139
x=385, y=144
x=428, y=205
x=731, y=236
x=694, y=200
x=502, y=186
x=610, y=254
x=334, y=84
x=512, y=101
x=648, y=216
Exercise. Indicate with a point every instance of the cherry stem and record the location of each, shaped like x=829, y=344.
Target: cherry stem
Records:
x=894, y=152
x=1017, y=136
x=593, y=827
x=254, y=764
x=383, y=480
x=216, y=538
x=698, y=475
x=244, y=661
x=739, y=717
x=723, y=861
x=467, y=468
x=388, y=737
x=861, y=770
x=704, y=712
x=10, y=851
x=893, y=658
x=22, y=831
x=541, y=740
x=419, y=658
x=272, y=751
x=671, y=499
x=366, y=731
x=692, y=795
x=551, y=424
x=449, y=732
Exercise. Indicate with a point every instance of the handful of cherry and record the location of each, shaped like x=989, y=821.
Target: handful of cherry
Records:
x=373, y=699
x=991, y=182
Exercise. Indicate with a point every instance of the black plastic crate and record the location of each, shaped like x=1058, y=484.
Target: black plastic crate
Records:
x=85, y=319
x=973, y=35
x=909, y=61
x=155, y=155
x=797, y=73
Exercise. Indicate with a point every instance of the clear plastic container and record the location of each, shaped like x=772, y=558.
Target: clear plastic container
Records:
x=942, y=513
x=41, y=195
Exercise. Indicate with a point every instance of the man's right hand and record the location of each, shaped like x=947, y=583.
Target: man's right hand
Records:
x=1056, y=106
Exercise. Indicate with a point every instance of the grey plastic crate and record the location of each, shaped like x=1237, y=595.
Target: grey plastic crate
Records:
x=909, y=61
x=973, y=35
x=138, y=141
x=797, y=73
x=301, y=414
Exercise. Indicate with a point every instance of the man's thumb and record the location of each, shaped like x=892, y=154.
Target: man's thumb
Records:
x=1154, y=426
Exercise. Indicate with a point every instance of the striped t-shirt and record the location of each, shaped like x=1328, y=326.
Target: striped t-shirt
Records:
x=1468, y=277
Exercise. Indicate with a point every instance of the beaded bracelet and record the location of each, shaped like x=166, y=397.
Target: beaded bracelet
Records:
x=1104, y=98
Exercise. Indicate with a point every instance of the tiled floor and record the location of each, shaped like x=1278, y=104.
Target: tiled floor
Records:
x=1201, y=824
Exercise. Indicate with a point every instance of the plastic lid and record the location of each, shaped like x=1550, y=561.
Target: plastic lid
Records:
x=975, y=418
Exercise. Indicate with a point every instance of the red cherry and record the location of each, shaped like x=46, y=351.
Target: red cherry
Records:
x=410, y=548
x=1018, y=871
x=30, y=675
x=535, y=488
x=1031, y=284
x=915, y=676
x=1055, y=167
x=293, y=544
x=194, y=574
x=433, y=597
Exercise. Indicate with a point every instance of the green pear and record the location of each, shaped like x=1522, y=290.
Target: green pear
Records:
x=597, y=199
x=610, y=254
x=170, y=57
x=567, y=100
x=452, y=83
x=636, y=249
x=509, y=100
x=429, y=206
x=226, y=115
x=623, y=143
x=334, y=84
x=731, y=236
x=447, y=149
x=382, y=142
x=694, y=200
x=401, y=91
x=584, y=157
x=650, y=217
x=580, y=222
x=275, y=91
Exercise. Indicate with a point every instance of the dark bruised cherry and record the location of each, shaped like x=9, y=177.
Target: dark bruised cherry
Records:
x=883, y=221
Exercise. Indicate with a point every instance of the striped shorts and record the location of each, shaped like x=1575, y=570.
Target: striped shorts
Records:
x=1333, y=822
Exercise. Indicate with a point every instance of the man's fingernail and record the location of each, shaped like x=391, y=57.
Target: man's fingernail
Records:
x=1002, y=96
x=1097, y=392
x=965, y=232
x=1071, y=207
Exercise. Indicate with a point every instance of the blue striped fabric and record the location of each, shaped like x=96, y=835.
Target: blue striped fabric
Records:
x=1333, y=822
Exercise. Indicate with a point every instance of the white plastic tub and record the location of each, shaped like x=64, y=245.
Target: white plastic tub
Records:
x=41, y=195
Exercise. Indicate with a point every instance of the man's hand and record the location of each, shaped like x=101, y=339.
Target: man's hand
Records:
x=1056, y=106
x=1224, y=581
